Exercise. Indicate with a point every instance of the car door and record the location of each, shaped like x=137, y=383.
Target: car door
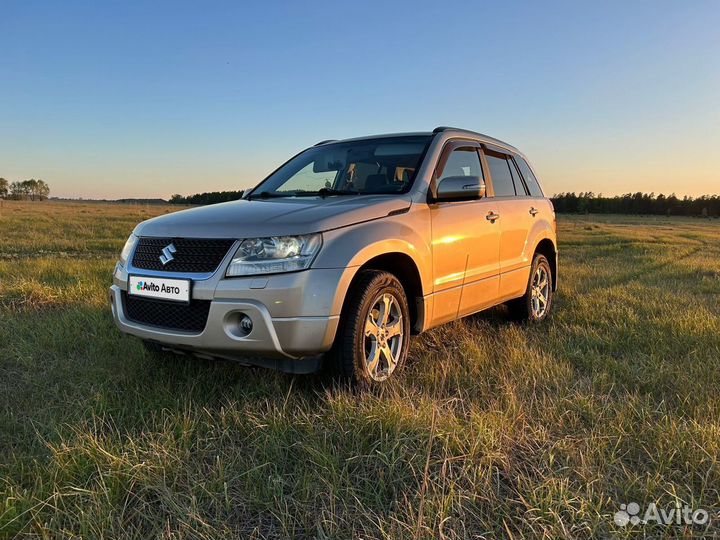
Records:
x=517, y=213
x=465, y=245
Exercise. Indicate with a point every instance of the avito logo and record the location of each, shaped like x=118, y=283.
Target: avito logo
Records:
x=147, y=286
x=629, y=514
x=153, y=287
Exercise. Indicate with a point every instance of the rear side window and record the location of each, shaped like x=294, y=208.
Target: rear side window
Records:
x=502, y=179
x=529, y=177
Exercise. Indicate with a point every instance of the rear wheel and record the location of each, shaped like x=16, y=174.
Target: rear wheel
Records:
x=372, y=342
x=535, y=304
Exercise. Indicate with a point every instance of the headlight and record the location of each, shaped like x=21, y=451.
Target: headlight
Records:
x=275, y=254
x=128, y=249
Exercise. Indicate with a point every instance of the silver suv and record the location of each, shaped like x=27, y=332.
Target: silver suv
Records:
x=342, y=253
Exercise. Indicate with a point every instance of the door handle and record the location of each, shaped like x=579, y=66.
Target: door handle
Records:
x=492, y=216
x=534, y=211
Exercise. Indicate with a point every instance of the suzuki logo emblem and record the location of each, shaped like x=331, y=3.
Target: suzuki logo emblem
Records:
x=167, y=254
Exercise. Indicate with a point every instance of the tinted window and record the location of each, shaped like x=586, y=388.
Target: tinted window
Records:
x=502, y=179
x=462, y=162
x=529, y=177
x=517, y=179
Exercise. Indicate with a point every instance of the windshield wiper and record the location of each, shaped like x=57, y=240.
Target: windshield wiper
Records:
x=270, y=195
x=322, y=192
x=325, y=192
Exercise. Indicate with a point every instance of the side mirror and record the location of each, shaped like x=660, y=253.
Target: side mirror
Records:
x=452, y=188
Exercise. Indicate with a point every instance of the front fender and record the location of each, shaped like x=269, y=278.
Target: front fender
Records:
x=352, y=247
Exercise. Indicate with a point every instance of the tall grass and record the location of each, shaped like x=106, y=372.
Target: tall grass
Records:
x=494, y=430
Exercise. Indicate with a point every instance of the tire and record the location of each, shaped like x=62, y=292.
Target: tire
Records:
x=530, y=307
x=372, y=341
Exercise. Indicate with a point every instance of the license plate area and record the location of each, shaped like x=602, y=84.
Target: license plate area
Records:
x=167, y=289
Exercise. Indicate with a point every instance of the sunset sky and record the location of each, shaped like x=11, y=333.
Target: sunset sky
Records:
x=138, y=99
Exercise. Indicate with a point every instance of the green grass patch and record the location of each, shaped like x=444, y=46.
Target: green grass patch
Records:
x=494, y=430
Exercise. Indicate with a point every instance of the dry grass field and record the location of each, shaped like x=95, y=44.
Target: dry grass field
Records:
x=495, y=430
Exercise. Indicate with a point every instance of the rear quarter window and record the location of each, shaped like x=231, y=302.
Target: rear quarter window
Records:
x=529, y=177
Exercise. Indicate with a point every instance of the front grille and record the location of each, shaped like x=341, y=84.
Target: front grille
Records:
x=190, y=317
x=198, y=255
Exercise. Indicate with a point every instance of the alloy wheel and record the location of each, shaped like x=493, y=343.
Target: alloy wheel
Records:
x=383, y=336
x=540, y=294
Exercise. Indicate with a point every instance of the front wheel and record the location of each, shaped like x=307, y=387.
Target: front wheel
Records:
x=535, y=304
x=372, y=342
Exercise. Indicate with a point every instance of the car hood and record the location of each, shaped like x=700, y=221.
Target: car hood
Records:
x=272, y=217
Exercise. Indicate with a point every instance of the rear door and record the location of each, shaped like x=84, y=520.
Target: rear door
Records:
x=517, y=214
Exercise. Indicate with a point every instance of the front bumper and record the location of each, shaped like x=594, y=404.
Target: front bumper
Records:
x=294, y=315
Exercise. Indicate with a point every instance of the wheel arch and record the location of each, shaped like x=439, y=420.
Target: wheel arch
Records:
x=547, y=248
x=405, y=269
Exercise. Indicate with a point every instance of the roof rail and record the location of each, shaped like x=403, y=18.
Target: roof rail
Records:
x=325, y=142
x=440, y=129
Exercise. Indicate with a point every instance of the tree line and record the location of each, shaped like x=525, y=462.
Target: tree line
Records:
x=567, y=203
x=637, y=203
x=33, y=190
x=212, y=197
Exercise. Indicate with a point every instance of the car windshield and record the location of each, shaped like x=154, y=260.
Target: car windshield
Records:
x=383, y=165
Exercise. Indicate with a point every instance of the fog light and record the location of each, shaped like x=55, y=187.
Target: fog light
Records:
x=245, y=324
x=237, y=325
